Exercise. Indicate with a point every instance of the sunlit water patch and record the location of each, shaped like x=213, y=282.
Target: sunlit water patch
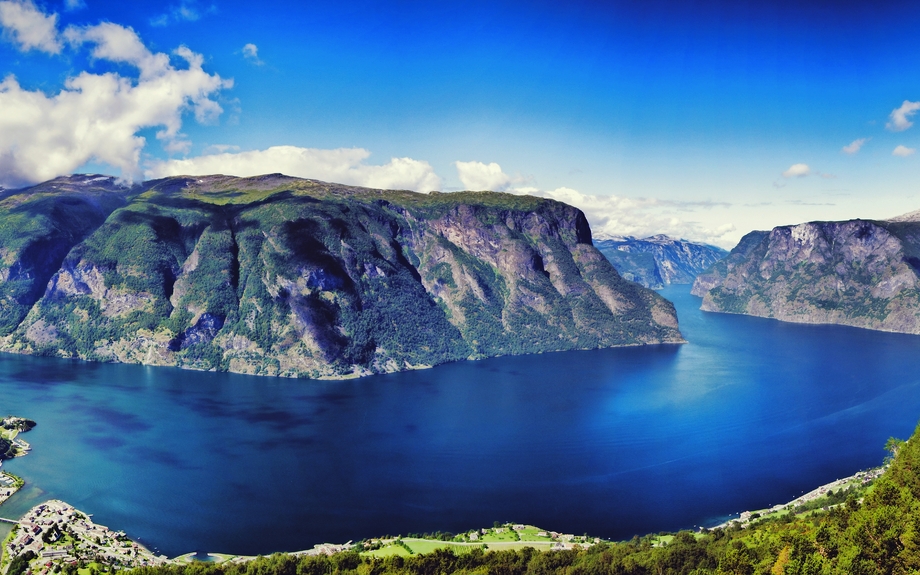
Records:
x=614, y=442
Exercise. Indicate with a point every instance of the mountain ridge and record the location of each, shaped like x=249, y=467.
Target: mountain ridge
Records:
x=658, y=260
x=276, y=275
x=861, y=273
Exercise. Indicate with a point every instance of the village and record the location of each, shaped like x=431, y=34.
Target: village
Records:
x=57, y=534
x=859, y=480
x=12, y=446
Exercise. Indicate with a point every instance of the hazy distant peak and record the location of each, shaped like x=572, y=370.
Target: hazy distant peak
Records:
x=602, y=236
x=658, y=260
x=908, y=217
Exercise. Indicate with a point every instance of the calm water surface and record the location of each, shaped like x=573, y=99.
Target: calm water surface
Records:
x=613, y=443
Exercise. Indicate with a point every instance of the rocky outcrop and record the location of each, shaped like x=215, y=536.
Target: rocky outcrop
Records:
x=39, y=226
x=283, y=276
x=860, y=273
x=658, y=261
x=713, y=276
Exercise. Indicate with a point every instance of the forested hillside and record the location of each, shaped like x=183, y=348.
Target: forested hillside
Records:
x=284, y=276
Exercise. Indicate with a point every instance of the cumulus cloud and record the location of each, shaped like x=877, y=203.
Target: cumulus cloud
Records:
x=251, y=53
x=98, y=116
x=903, y=151
x=28, y=27
x=854, y=146
x=479, y=176
x=899, y=119
x=797, y=171
x=608, y=215
x=641, y=217
x=342, y=165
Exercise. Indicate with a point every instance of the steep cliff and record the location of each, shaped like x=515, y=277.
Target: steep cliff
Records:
x=283, y=276
x=860, y=273
x=38, y=226
x=658, y=261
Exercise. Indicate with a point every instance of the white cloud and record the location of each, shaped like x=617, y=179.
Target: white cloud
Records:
x=97, y=117
x=641, y=217
x=117, y=43
x=903, y=151
x=342, y=165
x=178, y=145
x=479, y=176
x=900, y=117
x=608, y=215
x=29, y=27
x=854, y=146
x=72, y=5
x=251, y=53
x=797, y=171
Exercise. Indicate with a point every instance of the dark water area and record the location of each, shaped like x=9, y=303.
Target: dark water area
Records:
x=612, y=443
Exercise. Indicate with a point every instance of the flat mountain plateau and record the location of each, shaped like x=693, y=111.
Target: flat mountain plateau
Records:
x=274, y=275
x=861, y=273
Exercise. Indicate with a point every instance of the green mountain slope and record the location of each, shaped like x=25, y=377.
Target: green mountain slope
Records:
x=282, y=276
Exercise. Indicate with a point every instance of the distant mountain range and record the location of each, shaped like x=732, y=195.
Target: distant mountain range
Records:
x=659, y=260
x=284, y=276
x=862, y=273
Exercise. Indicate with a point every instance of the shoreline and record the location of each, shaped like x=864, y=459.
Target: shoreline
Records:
x=57, y=533
x=10, y=428
x=860, y=477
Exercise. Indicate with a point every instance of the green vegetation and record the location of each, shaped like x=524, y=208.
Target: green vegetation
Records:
x=20, y=563
x=853, y=273
x=281, y=276
x=37, y=229
x=10, y=427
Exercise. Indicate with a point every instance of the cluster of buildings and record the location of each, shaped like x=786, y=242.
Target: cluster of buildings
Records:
x=59, y=534
x=860, y=478
x=13, y=422
x=560, y=540
x=8, y=486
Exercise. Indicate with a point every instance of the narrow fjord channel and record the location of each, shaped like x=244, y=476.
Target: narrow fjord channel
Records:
x=612, y=443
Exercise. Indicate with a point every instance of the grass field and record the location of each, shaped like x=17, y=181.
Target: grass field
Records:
x=494, y=539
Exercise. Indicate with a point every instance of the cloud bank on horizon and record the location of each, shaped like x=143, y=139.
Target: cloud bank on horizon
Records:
x=343, y=166
x=87, y=89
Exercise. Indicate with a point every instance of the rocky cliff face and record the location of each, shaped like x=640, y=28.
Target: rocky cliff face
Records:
x=657, y=261
x=283, y=276
x=860, y=273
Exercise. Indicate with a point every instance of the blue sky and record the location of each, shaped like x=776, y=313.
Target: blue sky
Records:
x=670, y=117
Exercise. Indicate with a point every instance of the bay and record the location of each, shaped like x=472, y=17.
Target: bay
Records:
x=751, y=412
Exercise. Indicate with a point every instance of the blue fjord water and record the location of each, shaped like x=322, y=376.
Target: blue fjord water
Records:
x=750, y=412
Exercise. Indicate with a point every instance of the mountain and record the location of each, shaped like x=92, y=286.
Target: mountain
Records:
x=657, y=261
x=284, y=276
x=861, y=273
